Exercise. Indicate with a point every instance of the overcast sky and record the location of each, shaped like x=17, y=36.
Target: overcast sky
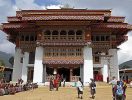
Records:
x=119, y=8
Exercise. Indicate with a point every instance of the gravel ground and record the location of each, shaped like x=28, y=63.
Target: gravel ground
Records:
x=66, y=93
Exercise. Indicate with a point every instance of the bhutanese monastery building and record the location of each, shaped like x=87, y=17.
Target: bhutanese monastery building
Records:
x=69, y=42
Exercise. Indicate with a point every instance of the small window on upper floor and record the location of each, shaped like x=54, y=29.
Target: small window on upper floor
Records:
x=35, y=37
x=21, y=60
x=31, y=38
x=47, y=32
x=102, y=38
x=96, y=59
x=107, y=38
x=79, y=32
x=55, y=32
x=63, y=32
x=22, y=38
x=97, y=38
x=71, y=32
x=27, y=38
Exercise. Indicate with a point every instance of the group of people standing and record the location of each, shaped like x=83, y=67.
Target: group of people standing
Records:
x=11, y=89
x=118, y=89
x=92, y=87
x=55, y=82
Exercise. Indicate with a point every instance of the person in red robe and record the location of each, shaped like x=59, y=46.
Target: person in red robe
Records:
x=56, y=83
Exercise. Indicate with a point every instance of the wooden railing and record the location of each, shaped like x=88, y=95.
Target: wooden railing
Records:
x=100, y=44
x=27, y=45
x=72, y=78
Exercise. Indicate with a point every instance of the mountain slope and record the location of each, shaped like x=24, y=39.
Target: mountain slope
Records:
x=5, y=57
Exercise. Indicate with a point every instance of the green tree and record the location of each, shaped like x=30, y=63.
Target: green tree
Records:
x=1, y=64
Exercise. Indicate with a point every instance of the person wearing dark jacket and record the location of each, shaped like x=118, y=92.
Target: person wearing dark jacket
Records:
x=92, y=88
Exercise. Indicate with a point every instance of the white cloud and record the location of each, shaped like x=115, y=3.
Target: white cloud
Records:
x=52, y=7
x=7, y=47
x=124, y=54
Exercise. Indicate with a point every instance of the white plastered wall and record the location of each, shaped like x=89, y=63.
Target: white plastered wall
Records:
x=114, y=68
x=17, y=67
x=25, y=64
x=38, y=66
x=88, y=65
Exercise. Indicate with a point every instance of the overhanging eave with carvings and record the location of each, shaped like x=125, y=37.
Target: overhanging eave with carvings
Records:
x=75, y=43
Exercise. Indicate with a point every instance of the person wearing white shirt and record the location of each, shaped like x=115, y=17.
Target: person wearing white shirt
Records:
x=80, y=88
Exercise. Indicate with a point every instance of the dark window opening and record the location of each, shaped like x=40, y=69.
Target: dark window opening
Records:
x=55, y=33
x=47, y=32
x=102, y=38
x=97, y=38
x=107, y=38
x=22, y=38
x=31, y=57
x=63, y=33
x=79, y=32
x=27, y=38
x=96, y=59
x=32, y=38
x=71, y=32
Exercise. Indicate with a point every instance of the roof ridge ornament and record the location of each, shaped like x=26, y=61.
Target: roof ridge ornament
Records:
x=66, y=6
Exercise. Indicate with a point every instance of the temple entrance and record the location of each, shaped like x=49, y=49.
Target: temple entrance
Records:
x=98, y=74
x=70, y=73
x=65, y=73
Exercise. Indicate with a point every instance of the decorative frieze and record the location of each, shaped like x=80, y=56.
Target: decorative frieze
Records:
x=63, y=62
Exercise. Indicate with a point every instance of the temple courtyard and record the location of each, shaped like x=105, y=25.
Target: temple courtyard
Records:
x=65, y=93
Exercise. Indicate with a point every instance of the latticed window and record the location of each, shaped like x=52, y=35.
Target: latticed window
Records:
x=78, y=52
x=70, y=35
x=55, y=52
x=55, y=35
x=48, y=52
x=79, y=35
x=71, y=52
x=63, y=35
x=47, y=35
x=63, y=52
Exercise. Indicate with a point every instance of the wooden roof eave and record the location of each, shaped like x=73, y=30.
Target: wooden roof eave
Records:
x=63, y=18
x=16, y=25
x=59, y=11
x=112, y=26
x=13, y=19
x=116, y=19
x=1, y=27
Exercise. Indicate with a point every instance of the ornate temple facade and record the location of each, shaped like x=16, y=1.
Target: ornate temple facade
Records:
x=69, y=42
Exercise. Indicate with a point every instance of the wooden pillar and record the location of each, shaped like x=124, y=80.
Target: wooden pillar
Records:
x=71, y=73
x=88, y=35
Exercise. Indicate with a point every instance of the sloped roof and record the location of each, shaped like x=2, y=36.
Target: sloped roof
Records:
x=125, y=65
